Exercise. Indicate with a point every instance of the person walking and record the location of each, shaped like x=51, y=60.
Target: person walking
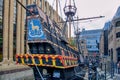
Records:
x=118, y=65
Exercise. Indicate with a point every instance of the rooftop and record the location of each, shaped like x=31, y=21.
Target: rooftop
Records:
x=117, y=14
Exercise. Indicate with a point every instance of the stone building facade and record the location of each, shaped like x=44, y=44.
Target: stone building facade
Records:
x=101, y=46
x=114, y=38
x=12, y=27
x=111, y=35
x=13, y=31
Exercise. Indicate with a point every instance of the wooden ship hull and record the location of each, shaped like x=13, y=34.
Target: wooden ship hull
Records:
x=48, y=51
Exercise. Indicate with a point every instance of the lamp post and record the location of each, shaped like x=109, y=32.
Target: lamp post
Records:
x=112, y=64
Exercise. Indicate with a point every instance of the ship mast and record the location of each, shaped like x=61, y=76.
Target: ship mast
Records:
x=56, y=10
x=69, y=10
x=69, y=23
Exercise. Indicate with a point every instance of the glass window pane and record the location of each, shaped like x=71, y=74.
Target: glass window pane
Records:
x=1, y=30
x=40, y=3
x=118, y=24
x=14, y=32
x=118, y=35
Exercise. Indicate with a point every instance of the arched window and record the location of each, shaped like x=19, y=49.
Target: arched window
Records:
x=117, y=24
x=118, y=35
x=1, y=30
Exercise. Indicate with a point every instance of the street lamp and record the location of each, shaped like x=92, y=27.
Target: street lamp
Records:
x=112, y=64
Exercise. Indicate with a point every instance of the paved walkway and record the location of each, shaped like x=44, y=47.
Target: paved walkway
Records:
x=108, y=75
x=101, y=75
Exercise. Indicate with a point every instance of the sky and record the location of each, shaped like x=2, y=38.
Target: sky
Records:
x=92, y=8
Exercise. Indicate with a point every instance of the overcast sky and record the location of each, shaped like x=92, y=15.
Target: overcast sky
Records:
x=92, y=8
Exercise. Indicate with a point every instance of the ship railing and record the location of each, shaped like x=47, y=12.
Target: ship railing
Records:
x=57, y=61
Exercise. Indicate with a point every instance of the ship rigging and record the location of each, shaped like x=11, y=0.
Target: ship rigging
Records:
x=50, y=55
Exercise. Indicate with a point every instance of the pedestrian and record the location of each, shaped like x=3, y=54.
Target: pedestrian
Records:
x=118, y=65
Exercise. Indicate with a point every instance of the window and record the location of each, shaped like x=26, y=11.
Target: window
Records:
x=41, y=49
x=118, y=54
x=1, y=30
x=82, y=41
x=48, y=49
x=112, y=54
x=50, y=11
x=14, y=32
x=34, y=49
x=109, y=52
x=45, y=10
x=32, y=8
x=82, y=47
x=117, y=24
x=89, y=46
x=40, y=3
x=118, y=35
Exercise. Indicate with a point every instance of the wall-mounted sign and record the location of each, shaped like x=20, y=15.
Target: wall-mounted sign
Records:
x=35, y=31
